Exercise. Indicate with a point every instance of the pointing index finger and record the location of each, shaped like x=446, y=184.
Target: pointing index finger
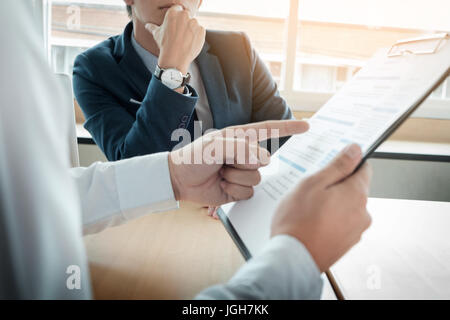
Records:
x=273, y=129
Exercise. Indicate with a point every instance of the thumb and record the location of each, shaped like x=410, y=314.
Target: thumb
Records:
x=341, y=167
x=152, y=28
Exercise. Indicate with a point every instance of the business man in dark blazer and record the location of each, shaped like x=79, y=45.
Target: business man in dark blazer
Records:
x=165, y=72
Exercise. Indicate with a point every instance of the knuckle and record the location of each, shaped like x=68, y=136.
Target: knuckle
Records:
x=369, y=169
x=257, y=177
x=253, y=148
x=227, y=174
x=250, y=193
x=368, y=221
x=342, y=165
x=364, y=200
x=355, y=218
x=193, y=23
x=226, y=188
x=357, y=189
x=310, y=181
x=171, y=13
x=363, y=188
x=263, y=154
x=366, y=174
x=184, y=14
x=361, y=199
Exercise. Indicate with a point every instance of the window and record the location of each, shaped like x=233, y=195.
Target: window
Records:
x=334, y=39
x=78, y=25
x=311, y=47
x=315, y=77
x=264, y=21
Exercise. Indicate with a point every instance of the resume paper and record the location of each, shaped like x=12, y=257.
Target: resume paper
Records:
x=361, y=112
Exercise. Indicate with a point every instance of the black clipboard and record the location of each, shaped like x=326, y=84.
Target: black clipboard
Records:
x=399, y=49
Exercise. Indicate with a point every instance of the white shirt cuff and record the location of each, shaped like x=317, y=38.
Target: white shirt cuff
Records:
x=187, y=92
x=144, y=185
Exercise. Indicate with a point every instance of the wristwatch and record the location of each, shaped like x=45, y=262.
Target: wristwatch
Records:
x=172, y=78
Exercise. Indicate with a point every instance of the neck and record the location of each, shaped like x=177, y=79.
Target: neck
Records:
x=145, y=38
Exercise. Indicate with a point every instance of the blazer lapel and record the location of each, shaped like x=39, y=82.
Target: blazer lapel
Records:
x=216, y=90
x=131, y=64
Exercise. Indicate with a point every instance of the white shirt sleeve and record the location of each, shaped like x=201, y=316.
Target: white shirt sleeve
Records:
x=44, y=204
x=114, y=192
x=41, y=247
x=284, y=270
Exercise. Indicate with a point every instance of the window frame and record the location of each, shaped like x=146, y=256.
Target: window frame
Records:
x=299, y=100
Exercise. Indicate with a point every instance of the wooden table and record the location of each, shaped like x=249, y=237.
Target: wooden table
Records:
x=404, y=255
x=171, y=255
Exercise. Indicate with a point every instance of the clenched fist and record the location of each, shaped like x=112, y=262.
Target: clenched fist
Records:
x=180, y=39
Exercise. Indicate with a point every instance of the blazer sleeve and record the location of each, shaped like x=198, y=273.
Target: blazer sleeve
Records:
x=119, y=134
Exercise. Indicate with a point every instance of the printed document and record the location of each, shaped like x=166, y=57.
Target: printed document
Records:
x=361, y=112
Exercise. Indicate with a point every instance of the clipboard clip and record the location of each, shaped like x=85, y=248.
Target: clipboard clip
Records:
x=428, y=44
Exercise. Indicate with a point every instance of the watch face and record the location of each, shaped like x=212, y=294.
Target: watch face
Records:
x=172, y=78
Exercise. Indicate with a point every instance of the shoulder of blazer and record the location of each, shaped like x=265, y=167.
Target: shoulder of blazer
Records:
x=233, y=49
x=221, y=40
x=102, y=52
x=109, y=51
x=100, y=57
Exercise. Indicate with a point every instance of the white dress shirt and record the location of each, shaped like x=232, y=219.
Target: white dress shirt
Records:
x=45, y=206
x=202, y=108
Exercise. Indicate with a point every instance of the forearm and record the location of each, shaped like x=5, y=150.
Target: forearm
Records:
x=284, y=270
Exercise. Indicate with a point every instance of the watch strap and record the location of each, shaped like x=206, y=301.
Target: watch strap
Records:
x=186, y=79
x=158, y=72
